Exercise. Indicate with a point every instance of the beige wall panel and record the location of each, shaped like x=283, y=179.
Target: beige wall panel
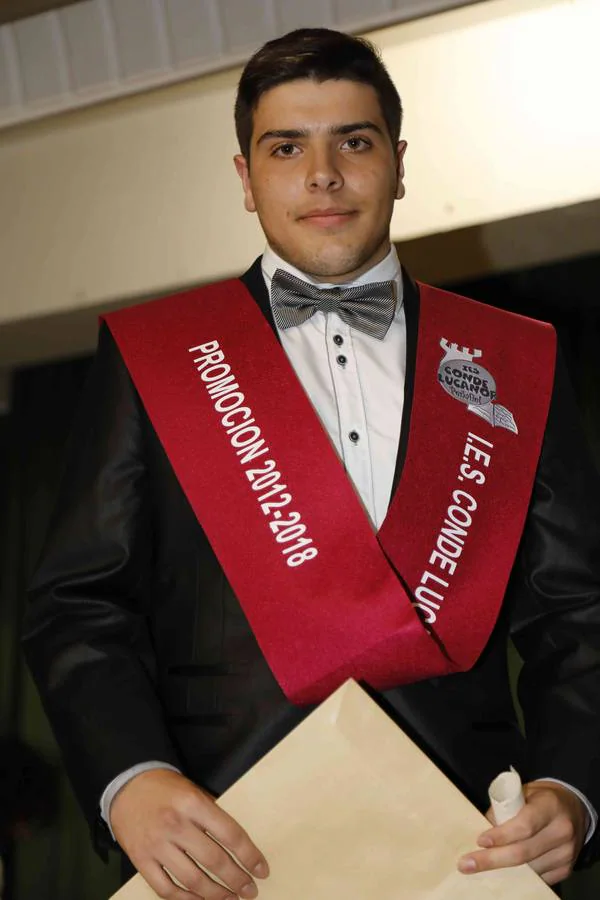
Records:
x=139, y=196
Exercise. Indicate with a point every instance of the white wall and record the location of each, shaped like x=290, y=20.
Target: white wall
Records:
x=502, y=112
x=140, y=195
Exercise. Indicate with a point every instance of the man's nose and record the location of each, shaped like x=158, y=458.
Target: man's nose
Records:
x=323, y=171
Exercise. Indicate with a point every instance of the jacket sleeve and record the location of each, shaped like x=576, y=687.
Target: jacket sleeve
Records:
x=555, y=603
x=86, y=638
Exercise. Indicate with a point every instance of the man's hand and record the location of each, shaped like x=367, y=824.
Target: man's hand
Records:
x=548, y=834
x=164, y=822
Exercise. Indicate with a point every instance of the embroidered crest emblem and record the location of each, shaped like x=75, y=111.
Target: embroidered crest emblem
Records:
x=471, y=384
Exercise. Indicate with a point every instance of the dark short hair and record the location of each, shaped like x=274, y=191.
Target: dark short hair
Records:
x=319, y=54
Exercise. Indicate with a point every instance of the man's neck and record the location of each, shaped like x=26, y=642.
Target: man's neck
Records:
x=387, y=269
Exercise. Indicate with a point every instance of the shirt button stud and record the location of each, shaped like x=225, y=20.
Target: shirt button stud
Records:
x=338, y=339
x=354, y=437
x=341, y=360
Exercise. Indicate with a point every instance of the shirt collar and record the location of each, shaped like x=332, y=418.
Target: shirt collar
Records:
x=388, y=269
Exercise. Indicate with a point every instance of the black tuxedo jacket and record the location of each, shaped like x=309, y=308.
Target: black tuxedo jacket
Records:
x=142, y=652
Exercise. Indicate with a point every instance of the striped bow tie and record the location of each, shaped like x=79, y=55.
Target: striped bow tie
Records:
x=368, y=307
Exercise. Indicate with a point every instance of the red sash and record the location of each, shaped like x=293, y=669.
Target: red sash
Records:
x=326, y=598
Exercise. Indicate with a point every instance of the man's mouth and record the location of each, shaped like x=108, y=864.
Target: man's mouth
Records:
x=329, y=217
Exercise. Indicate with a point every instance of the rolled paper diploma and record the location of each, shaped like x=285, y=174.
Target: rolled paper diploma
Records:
x=506, y=796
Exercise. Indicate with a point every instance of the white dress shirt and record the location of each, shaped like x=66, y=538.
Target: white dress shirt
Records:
x=355, y=383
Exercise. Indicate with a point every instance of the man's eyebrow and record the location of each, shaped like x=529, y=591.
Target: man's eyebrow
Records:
x=356, y=126
x=286, y=133
x=291, y=134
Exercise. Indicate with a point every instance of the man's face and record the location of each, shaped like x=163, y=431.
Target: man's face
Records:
x=323, y=176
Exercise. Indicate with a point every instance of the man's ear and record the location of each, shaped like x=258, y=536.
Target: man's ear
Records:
x=242, y=168
x=400, y=151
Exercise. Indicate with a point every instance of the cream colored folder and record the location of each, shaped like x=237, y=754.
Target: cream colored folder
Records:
x=348, y=808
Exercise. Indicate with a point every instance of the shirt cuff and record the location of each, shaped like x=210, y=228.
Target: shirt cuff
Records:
x=111, y=791
x=593, y=815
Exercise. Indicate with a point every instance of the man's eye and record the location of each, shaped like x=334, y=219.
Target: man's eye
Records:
x=285, y=150
x=357, y=143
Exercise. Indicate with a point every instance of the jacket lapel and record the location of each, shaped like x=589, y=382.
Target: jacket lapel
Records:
x=254, y=280
x=411, y=312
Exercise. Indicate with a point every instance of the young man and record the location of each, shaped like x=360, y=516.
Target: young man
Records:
x=155, y=684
